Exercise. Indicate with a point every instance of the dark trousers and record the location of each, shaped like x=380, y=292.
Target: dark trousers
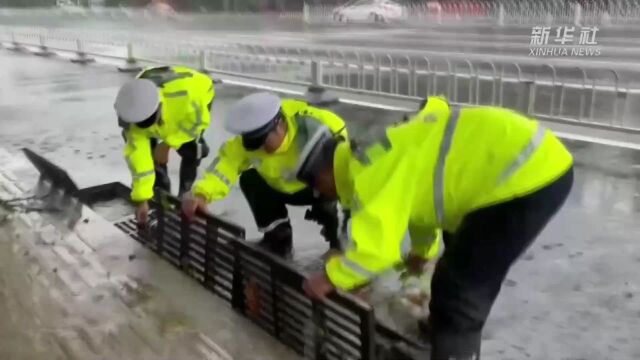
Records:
x=191, y=155
x=269, y=205
x=475, y=262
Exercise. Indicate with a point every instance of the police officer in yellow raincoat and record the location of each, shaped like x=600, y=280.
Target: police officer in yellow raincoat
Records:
x=163, y=108
x=490, y=178
x=271, y=134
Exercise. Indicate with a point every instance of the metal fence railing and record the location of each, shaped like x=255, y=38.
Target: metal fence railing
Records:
x=591, y=96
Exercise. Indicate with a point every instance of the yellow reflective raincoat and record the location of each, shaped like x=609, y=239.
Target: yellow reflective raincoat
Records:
x=429, y=173
x=185, y=98
x=277, y=169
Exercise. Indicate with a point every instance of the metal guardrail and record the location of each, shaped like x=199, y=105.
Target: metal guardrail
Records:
x=555, y=93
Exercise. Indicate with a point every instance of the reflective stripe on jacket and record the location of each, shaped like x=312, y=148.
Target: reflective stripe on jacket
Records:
x=277, y=169
x=185, y=95
x=432, y=171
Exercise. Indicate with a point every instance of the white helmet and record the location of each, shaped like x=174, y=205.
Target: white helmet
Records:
x=252, y=113
x=137, y=100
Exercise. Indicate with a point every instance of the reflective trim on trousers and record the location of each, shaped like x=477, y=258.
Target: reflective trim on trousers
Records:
x=273, y=225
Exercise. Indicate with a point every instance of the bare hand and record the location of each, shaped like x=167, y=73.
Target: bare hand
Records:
x=142, y=214
x=161, y=154
x=317, y=286
x=192, y=203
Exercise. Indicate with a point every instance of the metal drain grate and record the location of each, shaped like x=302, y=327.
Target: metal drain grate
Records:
x=263, y=287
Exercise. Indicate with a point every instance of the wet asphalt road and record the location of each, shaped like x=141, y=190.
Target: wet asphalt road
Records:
x=574, y=295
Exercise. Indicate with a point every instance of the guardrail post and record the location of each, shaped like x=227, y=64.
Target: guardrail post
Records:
x=320, y=97
x=377, y=82
x=393, y=79
x=305, y=12
x=577, y=14
x=202, y=62
x=529, y=97
x=81, y=56
x=501, y=15
x=42, y=49
x=548, y=19
x=131, y=64
x=316, y=73
x=413, y=86
x=620, y=106
x=436, y=7
x=15, y=45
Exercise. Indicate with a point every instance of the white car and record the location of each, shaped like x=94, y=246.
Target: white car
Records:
x=369, y=11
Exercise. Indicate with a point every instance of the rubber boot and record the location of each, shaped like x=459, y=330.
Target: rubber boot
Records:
x=455, y=347
x=278, y=241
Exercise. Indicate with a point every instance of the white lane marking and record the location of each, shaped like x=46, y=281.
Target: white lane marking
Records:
x=601, y=141
x=376, y=105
